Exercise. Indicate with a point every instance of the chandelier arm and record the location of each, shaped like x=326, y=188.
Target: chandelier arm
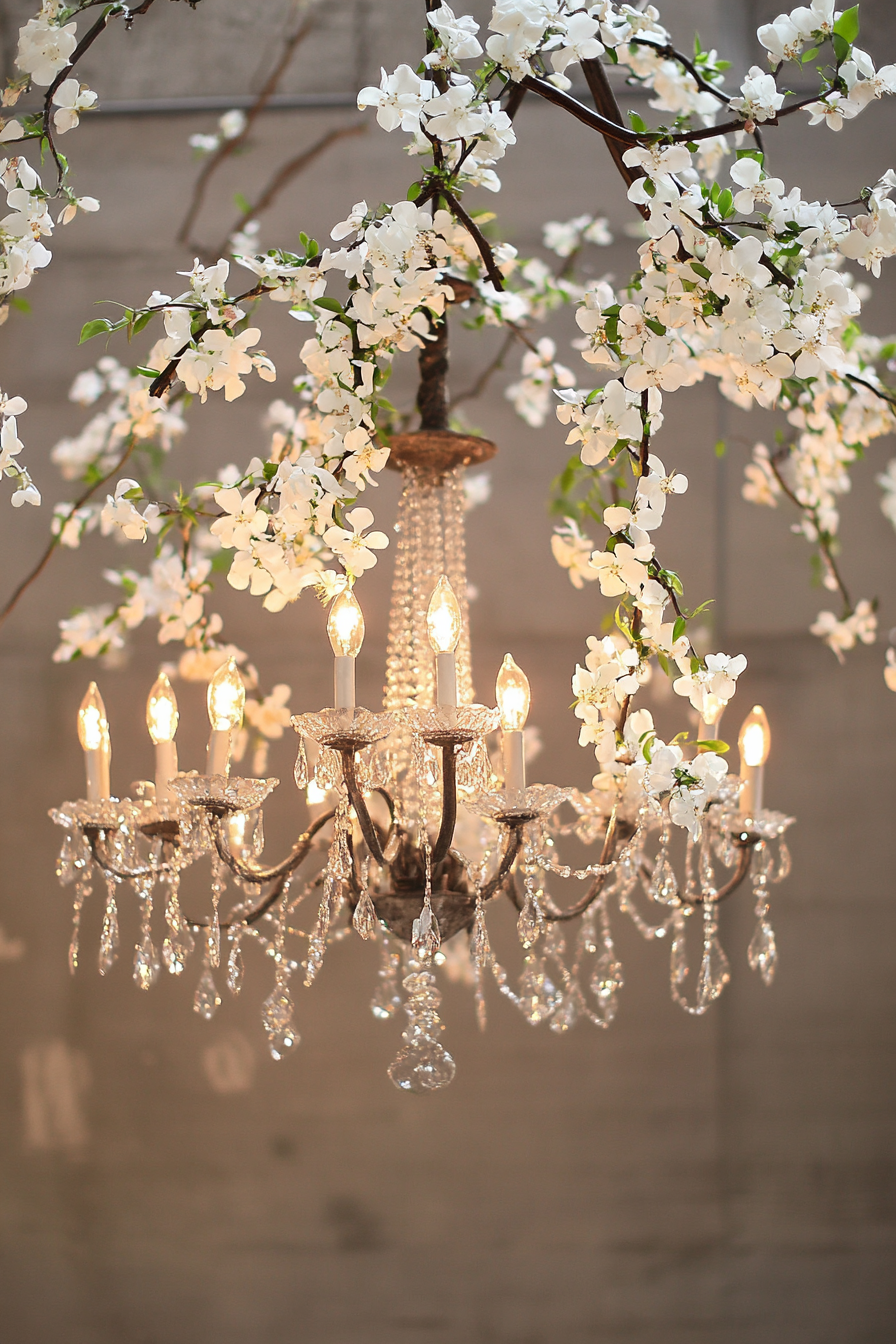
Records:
x=449, y=803
x=607, y=854
x=250, y=872
x=508, y=858
x=744, y=861
x=104, y=863
x=254, y=914
x=356, y=798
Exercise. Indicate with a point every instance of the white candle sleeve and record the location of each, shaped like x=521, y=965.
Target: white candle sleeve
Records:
x=514, y=768
x=93, y=761
x=218, y=759
x=446, y=679
x=166, y=769
x=344, y=681
x=751, y=793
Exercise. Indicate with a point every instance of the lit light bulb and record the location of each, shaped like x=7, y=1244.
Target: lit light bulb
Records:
x=755, y=738
x=93, y=726
x=226, y=698
x=443, y=620
x=512, y=692
x=345, y=625
x=93, y=734
x=161, y=711
x=754, y=741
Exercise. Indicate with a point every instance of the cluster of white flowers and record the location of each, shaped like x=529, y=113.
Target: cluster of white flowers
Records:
x=842, y=635
x=532, y=396
x=46, y=45
x=744, y=283
x=26, y=491
x=230, y=126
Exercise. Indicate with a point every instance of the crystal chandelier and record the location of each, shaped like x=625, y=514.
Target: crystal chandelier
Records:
x=415, y=827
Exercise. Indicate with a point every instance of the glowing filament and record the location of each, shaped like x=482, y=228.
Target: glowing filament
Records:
x=93, y=726
x=443, y=618
x=161, y=711
x=755, y=738
x=345, y=625
x=226, y=697
x=512, y=691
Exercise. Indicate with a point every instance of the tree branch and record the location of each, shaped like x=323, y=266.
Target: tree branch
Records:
x=55, y=540
x=479, y=238
x=229, y=147
x=285, y=174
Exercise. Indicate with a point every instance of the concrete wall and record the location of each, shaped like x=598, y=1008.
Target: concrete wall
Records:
x=722, y=1180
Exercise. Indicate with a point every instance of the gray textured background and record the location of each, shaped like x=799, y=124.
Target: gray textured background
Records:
x=723, y=1180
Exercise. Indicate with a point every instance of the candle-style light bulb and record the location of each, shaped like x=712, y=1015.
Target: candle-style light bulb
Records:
x=443, y=618
x=754, y=742
x=226, y=700
x=161, y=719
x=93, y=734
x=443, y=625
x=345, y=627
x=512, y=692
x=161, y=711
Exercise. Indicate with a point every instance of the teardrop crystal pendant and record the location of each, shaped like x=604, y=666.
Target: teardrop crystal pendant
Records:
x=276, y=1018
x=206, y=1000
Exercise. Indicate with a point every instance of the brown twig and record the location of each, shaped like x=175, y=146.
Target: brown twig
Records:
x=160, y=385
x=229, y=147
x=824, y=544
x=488, y=372
x=285, y=174
x=54, y=542
x=479, y=238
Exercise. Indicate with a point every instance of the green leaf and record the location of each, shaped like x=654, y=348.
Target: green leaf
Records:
x=679, y=628
x=637, y=123
x=809, y=55
x=331, y=305
x=756, y=154
x=141, y=372
x=703, y=271
x=841, y=48
x=726, y=203
x=21, y=305
x=712, y=744
x=414, y=191
x=242, y=203
x=847, y=26
x=142, y=321
x=97, y=327
x=720, y=448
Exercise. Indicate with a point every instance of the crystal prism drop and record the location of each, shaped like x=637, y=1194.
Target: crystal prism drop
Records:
x=235, y=968
x=206, y=1000
x=177, y=949
x=529, y=924
x=566, y=1014
x=763, y=953
x=300, y=773
x=425, y=935
x=422, y=1067
x=664, y=884
x=146, y=963
x=714, y=972
x=109, y=936
x=276, y=1017
x=364, y=919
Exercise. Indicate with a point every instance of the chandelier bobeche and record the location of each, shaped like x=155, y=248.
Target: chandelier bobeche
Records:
x=413, y=831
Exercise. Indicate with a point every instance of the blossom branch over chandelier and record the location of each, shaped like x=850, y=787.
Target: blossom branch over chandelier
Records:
x=745, y=284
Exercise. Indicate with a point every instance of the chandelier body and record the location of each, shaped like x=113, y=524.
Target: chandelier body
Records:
x=413, y=832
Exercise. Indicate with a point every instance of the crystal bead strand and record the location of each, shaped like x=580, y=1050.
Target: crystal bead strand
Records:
x=109, y=936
